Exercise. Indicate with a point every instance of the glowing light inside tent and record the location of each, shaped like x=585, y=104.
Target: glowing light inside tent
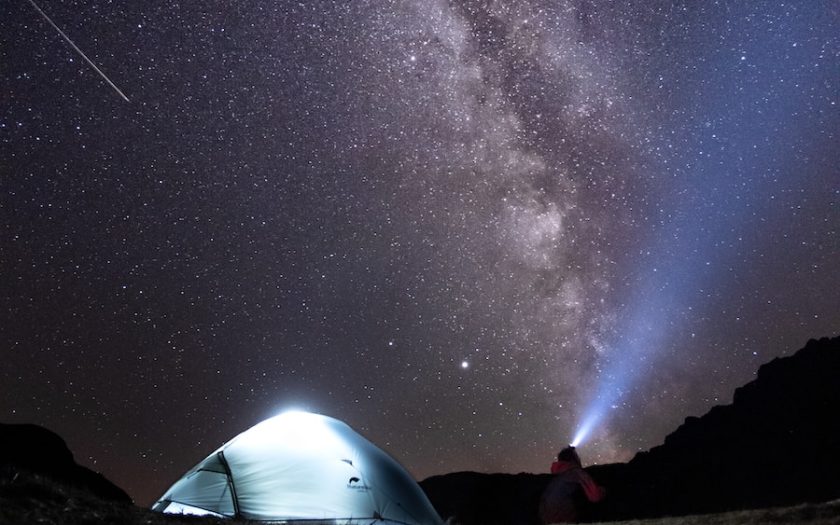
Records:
x=299, y=429
x=294, y=415
x=188, y=510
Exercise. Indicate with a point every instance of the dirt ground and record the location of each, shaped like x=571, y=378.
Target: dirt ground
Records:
x=812, y=514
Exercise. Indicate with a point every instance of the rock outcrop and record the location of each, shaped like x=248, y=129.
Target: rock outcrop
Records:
x=30, y=449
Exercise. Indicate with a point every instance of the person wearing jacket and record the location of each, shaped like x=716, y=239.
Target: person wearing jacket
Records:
x=567, y=494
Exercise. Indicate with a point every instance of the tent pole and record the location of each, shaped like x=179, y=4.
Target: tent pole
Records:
x=235, y=498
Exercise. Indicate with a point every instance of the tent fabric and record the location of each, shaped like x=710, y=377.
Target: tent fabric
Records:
x=301, y=466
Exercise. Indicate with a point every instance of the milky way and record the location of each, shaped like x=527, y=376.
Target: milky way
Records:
x=463, y=227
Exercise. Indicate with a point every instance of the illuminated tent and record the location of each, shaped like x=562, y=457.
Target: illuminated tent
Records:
x=300, y=466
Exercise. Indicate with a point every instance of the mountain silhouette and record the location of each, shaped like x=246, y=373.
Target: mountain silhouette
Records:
x=777, y=444
x=33, y=450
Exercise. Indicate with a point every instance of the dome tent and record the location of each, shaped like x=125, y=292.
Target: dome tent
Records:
x=300, y=466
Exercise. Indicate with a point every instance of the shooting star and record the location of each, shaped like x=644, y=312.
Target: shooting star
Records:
x=79, y=51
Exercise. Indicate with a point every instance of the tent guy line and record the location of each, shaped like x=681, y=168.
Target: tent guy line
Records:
x=79, y=51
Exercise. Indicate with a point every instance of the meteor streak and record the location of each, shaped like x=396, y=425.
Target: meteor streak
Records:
x=79, y=51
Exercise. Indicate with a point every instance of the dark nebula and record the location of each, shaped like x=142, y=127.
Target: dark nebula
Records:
x=462, y=227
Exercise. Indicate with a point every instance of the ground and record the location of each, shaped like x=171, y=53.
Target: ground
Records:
x=32, y=499
x=812, y=514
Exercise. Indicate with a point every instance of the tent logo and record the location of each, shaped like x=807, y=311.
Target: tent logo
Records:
x=354, y=484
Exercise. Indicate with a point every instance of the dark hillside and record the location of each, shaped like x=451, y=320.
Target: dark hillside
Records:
x=41, y=483
x=777, y=444
x=36, y=450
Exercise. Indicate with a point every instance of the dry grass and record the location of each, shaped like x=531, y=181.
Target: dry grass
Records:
x=811, y=514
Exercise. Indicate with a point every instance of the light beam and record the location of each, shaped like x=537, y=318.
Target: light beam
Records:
x=694, y=257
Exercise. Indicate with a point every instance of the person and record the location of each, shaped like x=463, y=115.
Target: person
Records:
x=566, y=496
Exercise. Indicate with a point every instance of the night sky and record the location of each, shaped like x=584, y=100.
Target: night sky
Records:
x=463, y=227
